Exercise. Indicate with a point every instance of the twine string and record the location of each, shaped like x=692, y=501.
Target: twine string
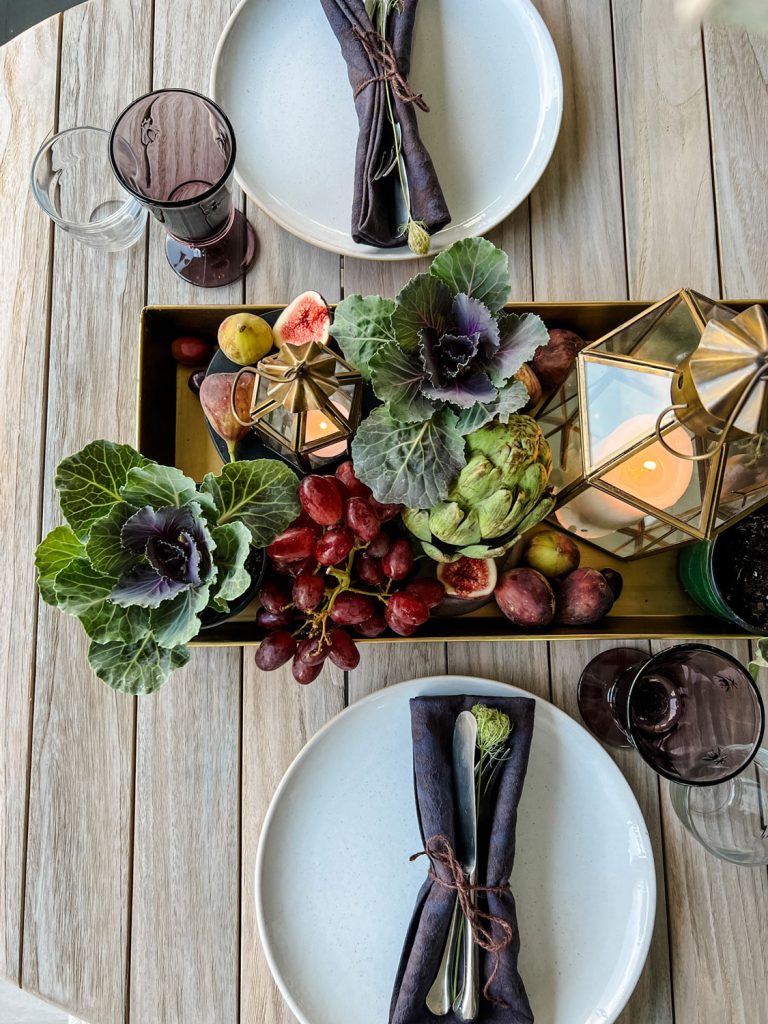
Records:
x=440, y=851
x=379, y=51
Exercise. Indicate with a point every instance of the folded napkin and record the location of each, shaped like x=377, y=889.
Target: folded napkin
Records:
x=432, y=724
x=374, y=207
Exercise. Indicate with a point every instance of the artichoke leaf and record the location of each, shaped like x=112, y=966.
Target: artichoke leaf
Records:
x=494, y=512
x=417, y=521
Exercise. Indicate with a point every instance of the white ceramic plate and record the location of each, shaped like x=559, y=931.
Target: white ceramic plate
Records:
x=487, y=68
x=335, y=889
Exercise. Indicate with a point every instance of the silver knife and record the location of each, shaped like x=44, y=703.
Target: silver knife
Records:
x=439, y=997
x=467, y=1003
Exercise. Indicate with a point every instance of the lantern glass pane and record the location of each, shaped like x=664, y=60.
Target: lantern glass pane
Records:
x=711, y=310
x=645, y=534
x=559, y=422
x=622, y=405
x=666, y=334
x=281, y=421
x=745, y=481
x=673, y=485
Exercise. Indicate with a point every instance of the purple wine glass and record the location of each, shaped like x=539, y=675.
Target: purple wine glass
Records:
x=174, y=150
x=692, y=712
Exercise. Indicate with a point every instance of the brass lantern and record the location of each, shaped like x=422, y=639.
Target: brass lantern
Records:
x=658, y=435
x=306, y=403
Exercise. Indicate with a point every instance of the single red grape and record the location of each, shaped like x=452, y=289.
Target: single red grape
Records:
x=398, y=625
x=274, y=650
x=356, y=488
x=408, y=608
x=431, y=592
x=385, y=512
x=361, y=519
x=379, y=546
x=398, y=561
x=304, y=673
x=274, y=595
x=312, y=651
x=195, y=380
x=334, y=545
x=308, y=591
x=349, y=609
x=294, y=543
x=344, y=652
x=273, y=620
x=374, y=626
x=369, y=570
x=321, y=499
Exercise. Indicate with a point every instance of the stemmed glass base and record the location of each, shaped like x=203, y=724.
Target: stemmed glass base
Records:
x=606, y=679
x=216, y=263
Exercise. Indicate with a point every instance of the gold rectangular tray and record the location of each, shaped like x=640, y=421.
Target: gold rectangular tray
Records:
x=172, y=430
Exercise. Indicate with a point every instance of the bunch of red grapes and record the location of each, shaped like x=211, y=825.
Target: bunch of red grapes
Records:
x=338, y=567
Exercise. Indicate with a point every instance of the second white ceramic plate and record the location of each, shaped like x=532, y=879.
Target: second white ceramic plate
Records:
x=335, y=889
x=487, y=68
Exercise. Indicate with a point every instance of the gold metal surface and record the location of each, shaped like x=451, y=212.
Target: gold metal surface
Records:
x=171, y=429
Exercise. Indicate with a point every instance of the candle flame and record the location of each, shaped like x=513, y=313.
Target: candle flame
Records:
x=650, y=464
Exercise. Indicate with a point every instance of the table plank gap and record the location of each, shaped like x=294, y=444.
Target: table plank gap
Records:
x=28, y=72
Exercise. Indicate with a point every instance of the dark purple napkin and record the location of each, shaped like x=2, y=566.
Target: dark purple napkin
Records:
x=432, y=723
x=374, y=208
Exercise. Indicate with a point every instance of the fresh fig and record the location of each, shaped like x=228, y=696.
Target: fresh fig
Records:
x=525, y=597
x=468, y=578
x=305, y=319
x=552, y=362
x=584, y=597
x=215, y=394
x=552, y=554
x=245, y=338
x=615, y=582
x=531, y=382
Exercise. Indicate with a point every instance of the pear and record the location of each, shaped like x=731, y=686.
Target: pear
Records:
x=245, y=338
x=215, y=392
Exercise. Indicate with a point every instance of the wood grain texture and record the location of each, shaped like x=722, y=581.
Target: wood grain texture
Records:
x=79, y=847
x=186, y=884
x=718, y=921
x=664, y=134
x=279, y=715
x=27, y=82
x=737, y=76
x=576, y=209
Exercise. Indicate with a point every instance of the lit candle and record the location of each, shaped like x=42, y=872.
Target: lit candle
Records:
x=653, y=475
x=317, y=426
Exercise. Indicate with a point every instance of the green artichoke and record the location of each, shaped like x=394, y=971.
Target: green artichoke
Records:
x=499, y=495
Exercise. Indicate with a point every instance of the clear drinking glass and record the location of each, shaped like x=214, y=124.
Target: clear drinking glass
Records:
x=692, y=712
x=74, y=184
x=730, y=820
x=174, y=151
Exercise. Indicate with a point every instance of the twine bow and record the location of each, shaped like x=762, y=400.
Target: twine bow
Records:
x=380, y=53
x=440, y=851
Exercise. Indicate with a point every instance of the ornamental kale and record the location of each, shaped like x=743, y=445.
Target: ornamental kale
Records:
x=145, y=551
x=444, y=345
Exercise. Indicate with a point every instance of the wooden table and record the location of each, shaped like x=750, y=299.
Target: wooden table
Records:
x=129, y=826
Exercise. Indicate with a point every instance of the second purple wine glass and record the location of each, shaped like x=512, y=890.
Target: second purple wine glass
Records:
x=692, y=712
x=174, y=150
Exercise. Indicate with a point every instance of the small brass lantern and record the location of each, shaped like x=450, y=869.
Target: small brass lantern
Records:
x=658, y=435
x=306, y=403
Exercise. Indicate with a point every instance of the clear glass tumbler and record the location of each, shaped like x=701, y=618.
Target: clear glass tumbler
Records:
x=730, y=820
x=73, y=182
x=174, y=150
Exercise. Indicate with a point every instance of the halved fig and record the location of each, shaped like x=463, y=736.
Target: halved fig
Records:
x=305, y=319
x=468, y=578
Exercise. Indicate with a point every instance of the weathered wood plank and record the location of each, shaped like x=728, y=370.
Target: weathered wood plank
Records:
x=718, y=921
x=79, y=849
x=737, y=76
x=664, y=132
x=279, y=715
x=186, y=884
x=28, y=88
x=576, y=219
